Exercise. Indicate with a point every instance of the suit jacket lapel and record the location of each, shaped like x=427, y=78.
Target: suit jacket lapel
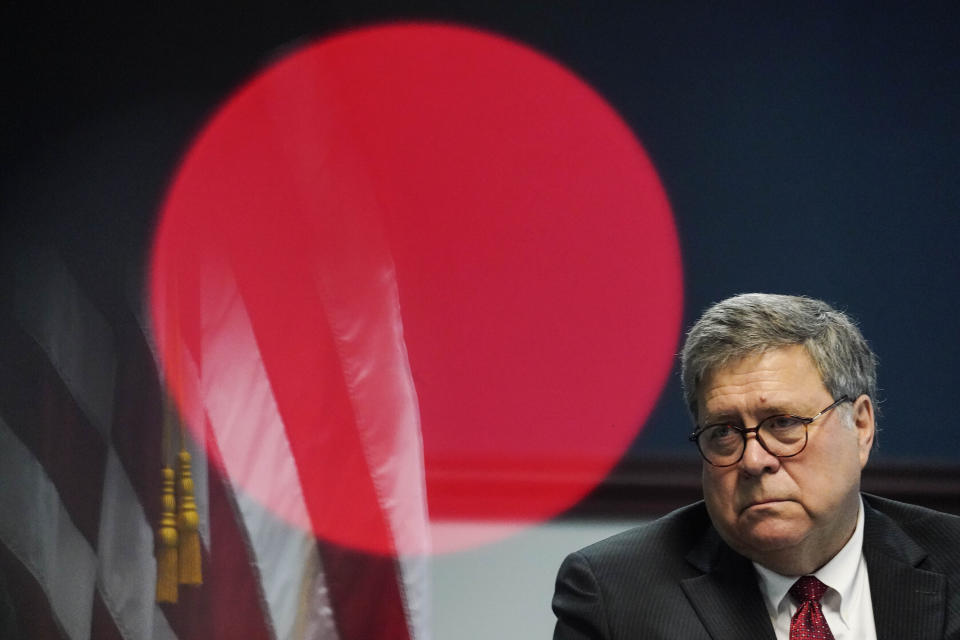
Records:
x=908, y=602
x=726, y=597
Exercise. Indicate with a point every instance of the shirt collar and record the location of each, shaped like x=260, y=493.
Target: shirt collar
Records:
x=838, y=574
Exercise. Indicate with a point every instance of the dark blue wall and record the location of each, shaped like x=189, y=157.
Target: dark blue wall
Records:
x=804, y=150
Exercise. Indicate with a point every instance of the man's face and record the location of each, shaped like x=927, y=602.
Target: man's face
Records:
x=785, y=513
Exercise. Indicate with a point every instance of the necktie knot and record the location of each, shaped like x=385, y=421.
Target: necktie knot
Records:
x=808, y=623
x=808, y=589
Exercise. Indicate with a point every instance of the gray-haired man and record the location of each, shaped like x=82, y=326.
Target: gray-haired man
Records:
x=782, y=390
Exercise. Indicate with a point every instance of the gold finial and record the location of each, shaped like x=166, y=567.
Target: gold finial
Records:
x=188, y=524
x=167, y=542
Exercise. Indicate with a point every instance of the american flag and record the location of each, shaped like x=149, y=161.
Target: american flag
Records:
x=82, y=406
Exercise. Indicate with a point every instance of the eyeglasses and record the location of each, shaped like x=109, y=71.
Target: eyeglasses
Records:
x=783, y=436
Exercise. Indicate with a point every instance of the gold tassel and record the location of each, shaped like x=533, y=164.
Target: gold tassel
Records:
x=188, y=524
x=167, y=542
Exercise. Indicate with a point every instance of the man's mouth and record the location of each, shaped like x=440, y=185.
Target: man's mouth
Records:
x=762, y=503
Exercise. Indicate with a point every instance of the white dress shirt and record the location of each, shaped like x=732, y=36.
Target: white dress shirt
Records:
x=846, y=604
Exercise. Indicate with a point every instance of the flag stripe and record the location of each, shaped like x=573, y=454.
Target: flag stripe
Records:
x=337, y=447
x=377, y=613
x=137, y=418
x=81, y=449
x=192, y=439
x=363, y=312
x=127, y=571
x=78, y=343
x=102, y=624
x=250, y=440
x=73, y=343
x=39, y=408
x=229, y=603
x=33, y=617
x=136, y=430
x=230, y=596
x=42, y=536
x=52, y=308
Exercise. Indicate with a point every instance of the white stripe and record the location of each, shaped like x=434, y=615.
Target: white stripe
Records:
x=291, y=574
x=252, y=441
x=194, y=444
x=37, y=529
x=416, y=586
x=128, y=571
x=51, y=307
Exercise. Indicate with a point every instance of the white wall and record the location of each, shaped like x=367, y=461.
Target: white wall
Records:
x=503, y=590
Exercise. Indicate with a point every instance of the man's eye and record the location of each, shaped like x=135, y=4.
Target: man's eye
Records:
x=720, y=432
x=781, y=423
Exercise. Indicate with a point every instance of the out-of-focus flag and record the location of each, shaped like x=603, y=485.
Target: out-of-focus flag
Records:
x=81, y=411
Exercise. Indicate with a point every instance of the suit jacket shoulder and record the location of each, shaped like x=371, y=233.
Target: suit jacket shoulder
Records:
x=671, y=578
x=913, y=560
x=935, y=534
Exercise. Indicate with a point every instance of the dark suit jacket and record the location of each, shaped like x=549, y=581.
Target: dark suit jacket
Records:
x=675, y=578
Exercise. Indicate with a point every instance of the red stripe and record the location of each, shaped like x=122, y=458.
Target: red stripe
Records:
x=102, y=624
x=32, y=616
x=364, y=594
x=307, y=380
x=137, y=430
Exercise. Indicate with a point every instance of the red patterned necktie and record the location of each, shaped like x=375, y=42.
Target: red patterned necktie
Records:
x=808, y=622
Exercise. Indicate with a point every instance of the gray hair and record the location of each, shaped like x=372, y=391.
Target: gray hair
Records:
x=751, y=323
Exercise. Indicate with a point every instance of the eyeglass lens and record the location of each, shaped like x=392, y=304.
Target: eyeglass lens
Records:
x=780, y=435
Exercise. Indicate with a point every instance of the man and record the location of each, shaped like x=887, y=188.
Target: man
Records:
x=782, y=390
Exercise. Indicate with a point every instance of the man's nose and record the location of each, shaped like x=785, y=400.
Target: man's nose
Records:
x=756, y=459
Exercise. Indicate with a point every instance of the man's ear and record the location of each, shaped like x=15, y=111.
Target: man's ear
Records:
x=864, y=421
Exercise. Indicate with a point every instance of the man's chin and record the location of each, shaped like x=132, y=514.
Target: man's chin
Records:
x=758, y=541
x=761, y=531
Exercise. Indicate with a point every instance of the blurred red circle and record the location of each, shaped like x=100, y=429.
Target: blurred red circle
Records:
x=416, y=229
